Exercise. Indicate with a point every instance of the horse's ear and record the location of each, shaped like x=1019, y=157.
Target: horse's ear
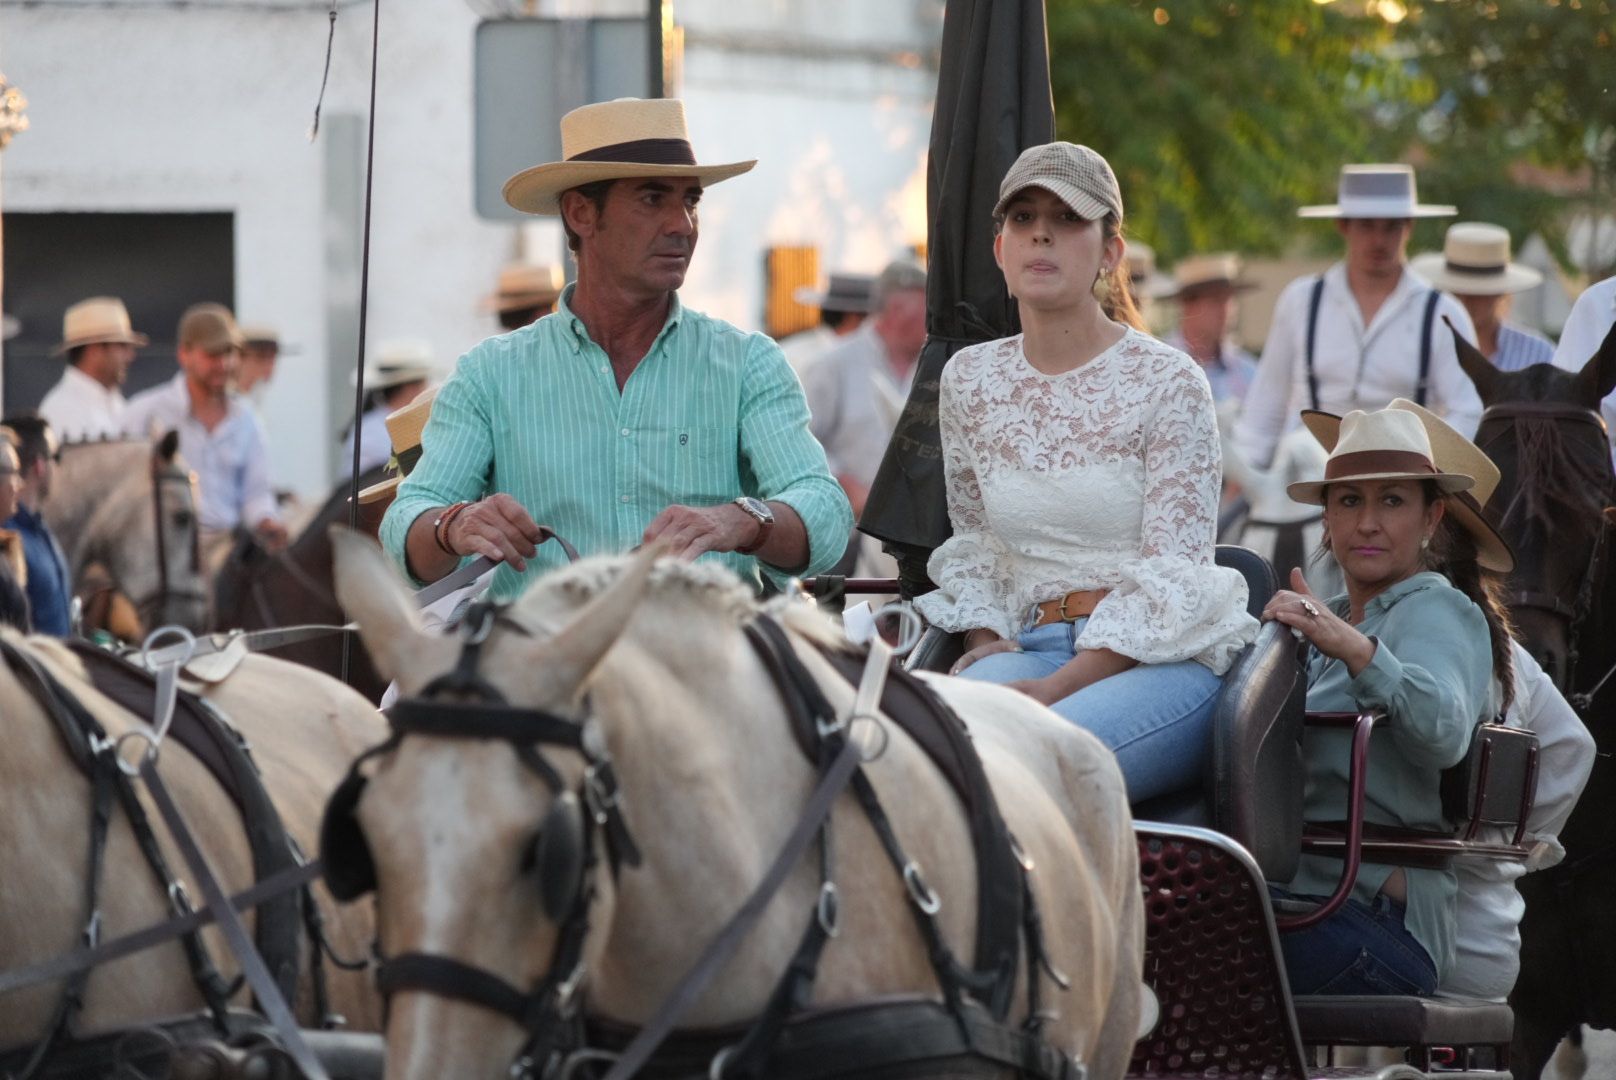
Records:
x=167, y=446
x=1597, y=378
x=373, y=595
x=570, y=657
x=1480, y=369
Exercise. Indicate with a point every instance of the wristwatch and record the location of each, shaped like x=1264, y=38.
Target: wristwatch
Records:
x=760, y=512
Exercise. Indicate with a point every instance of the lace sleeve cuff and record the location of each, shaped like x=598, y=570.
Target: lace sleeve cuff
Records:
x=970, y=587
x=1168, y=609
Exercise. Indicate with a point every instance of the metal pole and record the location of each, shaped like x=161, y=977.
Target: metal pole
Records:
x=658, y=17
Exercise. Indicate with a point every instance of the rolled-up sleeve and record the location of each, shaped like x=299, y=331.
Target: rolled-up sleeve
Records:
x=1431, y=673
x=457, y=452
x=783, y=462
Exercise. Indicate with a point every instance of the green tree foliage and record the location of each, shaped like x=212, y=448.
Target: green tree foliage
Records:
x=1220, y=117
x=1512, y=107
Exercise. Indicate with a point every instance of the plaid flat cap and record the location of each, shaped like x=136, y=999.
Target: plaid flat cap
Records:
x=1074, y=174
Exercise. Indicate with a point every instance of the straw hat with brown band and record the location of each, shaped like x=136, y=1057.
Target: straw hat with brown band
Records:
x=404, y=428
x=616, y=140
x=98, y=320
x=1452, y=453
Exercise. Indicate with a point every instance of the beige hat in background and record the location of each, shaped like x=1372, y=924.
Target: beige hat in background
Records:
x=1451, y=452
x=209, y=327
x=1376, y=191
x=525, y=285
x=1202, y=271
x=404, y=360
x=1076, y=175
x=854, y=293
x=404, y=427
x=1474, y=261
x=98, y=320
x=616, y=140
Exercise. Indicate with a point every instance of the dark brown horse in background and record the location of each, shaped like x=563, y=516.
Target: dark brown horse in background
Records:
x=256, y=590
x=1544, y=430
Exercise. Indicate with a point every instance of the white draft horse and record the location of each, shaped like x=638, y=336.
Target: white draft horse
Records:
x=302, y=726
x=711, y=783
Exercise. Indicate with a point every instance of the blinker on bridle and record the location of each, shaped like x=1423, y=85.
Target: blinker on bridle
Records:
x=461, y=704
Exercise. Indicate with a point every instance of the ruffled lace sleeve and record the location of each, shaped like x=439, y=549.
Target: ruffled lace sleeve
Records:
x=969, y=568
x=1172, y=603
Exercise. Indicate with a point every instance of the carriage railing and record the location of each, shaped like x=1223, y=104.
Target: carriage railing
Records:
x=1355, y=841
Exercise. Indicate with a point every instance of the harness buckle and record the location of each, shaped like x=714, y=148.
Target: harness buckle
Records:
x=924, y=896
x=178, y=898
x=567, y=989
x=829, y=909
x=92, y=930
x=600, y=793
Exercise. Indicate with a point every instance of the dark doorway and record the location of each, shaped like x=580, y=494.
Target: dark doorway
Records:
x=158, y=264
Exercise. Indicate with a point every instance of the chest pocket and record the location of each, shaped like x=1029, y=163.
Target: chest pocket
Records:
x=698, y=465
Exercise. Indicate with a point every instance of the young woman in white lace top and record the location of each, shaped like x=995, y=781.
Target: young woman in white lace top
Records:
x=1083, y=475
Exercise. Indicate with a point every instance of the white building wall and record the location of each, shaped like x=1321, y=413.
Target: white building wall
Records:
x=146, y=106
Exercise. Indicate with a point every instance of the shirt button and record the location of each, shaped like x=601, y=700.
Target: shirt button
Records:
x=626, y=431
x=603, y=370
x=622, y=498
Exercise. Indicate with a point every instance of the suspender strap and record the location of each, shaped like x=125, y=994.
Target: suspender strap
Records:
x=1425, y=347
x=1312, y=335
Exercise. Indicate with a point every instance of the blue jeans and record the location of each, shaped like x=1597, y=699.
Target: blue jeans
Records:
x=1156, y=718
x=1361, y=949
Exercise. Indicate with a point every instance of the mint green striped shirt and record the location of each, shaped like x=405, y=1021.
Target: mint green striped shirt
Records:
x=711, y=413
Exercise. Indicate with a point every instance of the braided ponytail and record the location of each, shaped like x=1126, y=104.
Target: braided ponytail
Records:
x=1453, y=554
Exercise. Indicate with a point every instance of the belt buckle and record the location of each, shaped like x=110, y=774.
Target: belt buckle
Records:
x=1062, y=609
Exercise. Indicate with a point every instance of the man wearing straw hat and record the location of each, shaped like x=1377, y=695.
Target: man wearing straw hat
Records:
x=1365, y=331
x=525, y=292
x=260, y=351
x=100, y=345
x=627, y=417
x=396, y=377
x=1205, y=287
x=1474, y=266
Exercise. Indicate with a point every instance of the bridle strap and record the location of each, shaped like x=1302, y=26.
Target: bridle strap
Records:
x=475, y=720
x=444, y=976
x=1543, y=602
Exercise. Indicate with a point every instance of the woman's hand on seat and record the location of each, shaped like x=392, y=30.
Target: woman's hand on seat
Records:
x=1332, y=635
x=980, y=643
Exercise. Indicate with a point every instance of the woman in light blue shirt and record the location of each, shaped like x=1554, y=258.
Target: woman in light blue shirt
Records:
x=1423, y=647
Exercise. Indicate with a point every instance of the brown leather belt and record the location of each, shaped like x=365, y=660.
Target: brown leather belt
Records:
x=1074, y=605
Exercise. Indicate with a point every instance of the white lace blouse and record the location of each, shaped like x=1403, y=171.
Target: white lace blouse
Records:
x=1104, y=477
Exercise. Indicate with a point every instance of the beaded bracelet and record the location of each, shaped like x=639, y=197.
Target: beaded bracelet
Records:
x=440, y=527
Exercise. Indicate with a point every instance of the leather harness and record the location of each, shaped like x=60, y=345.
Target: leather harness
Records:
x=910, y=1037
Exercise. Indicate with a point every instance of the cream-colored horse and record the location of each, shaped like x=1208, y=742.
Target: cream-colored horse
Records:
x=712, y=783
x=303, y=727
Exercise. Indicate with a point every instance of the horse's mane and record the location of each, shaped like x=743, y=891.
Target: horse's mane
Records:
x=675, y=588
x=1556, y=483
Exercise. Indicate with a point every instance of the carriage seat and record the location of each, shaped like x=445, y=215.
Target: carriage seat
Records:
x=1478, y=1027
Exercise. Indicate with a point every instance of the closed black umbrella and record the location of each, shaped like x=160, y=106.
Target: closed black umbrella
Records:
x=993, y=101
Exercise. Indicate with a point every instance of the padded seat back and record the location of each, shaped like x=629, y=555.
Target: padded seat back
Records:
x=1254, y=783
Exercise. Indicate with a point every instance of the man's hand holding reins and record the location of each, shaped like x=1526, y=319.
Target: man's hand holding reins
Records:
x=1332, y=635
x=497, y=526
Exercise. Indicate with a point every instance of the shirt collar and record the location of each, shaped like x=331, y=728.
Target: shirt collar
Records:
x=26, y=518
x=580, y=332
x=1408, y=285
x=1387, y=599
x=74, y=375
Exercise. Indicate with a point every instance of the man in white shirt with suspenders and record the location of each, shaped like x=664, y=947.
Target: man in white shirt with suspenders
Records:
x=1365, y=331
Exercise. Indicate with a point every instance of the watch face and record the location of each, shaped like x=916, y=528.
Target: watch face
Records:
x=756, y=507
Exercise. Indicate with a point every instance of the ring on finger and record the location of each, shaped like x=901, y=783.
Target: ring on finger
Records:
x=1307, y=606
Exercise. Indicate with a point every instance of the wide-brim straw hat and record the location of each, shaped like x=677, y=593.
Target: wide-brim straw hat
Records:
x=1383, y=445
x=1450, y=451
x=1376, y=191
x=526, y=285
x=97, y=321
x=404, y=427
x=1474, y=261
x=616, y=140
x=1205, y=271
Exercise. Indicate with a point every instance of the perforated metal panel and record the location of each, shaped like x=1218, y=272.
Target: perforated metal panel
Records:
x=1212, y=957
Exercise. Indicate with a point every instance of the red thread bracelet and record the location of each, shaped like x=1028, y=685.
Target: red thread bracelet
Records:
x=440, y=528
